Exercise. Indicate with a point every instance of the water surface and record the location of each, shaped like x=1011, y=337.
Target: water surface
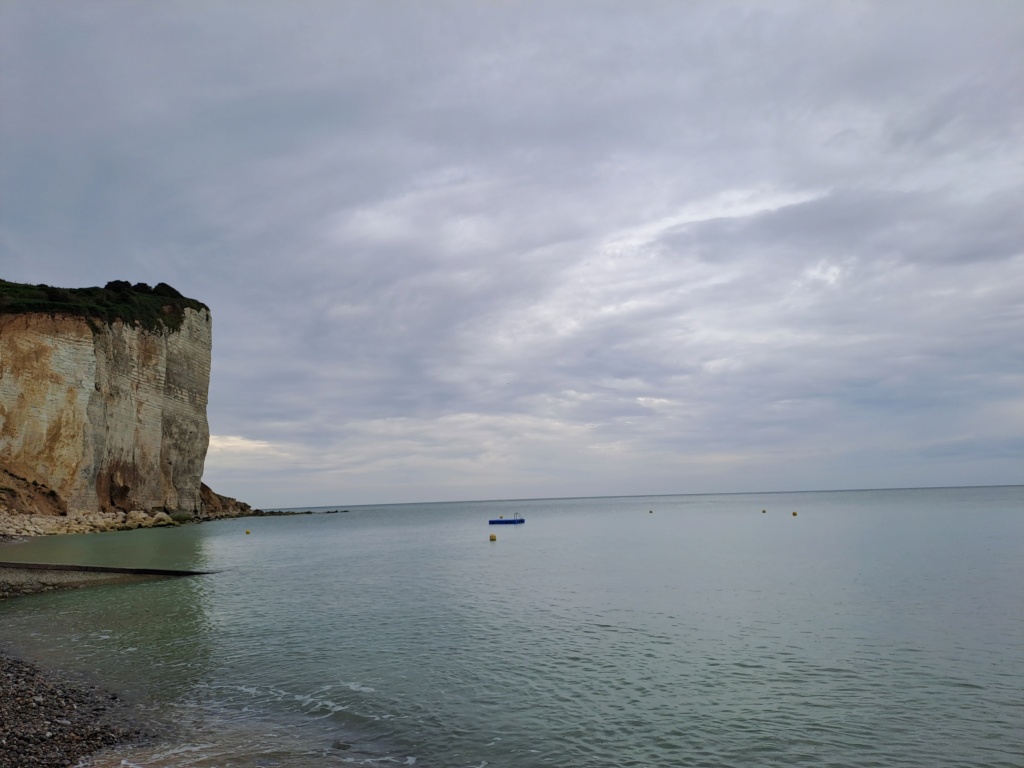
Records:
x=875, y=628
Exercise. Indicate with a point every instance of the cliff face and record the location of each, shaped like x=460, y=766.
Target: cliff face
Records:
x=110, y=416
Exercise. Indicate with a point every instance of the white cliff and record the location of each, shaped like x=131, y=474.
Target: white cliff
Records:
x=110, y=417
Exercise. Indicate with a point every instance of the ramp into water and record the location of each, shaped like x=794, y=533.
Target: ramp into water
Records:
x=27, y=578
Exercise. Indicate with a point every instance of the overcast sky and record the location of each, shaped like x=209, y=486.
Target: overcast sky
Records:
x=469, y=250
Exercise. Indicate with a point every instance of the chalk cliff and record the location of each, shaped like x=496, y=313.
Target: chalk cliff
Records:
x=104, y=417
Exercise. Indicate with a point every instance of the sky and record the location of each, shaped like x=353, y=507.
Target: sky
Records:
x=464, y=250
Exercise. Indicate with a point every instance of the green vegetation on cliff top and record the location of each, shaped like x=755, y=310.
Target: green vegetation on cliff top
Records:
x=152, y=308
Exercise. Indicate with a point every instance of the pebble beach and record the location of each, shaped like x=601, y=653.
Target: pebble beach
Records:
x=50, y=722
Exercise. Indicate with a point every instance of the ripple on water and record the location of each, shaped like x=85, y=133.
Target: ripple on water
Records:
x=687, y=640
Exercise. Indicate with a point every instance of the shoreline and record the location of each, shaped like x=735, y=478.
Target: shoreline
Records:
x=16, y=527
x=48, y=720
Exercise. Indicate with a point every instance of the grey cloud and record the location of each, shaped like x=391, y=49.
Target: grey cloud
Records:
x=461, y=247
x=909, y=227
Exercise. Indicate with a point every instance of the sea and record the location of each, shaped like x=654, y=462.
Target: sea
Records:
x=859, y=629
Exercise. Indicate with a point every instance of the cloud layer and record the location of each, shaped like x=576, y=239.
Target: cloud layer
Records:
x=459, y=250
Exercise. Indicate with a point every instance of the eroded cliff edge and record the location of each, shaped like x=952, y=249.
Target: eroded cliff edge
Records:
x=103, y=398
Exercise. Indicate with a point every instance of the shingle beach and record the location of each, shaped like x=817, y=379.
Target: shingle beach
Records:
x=46, y=722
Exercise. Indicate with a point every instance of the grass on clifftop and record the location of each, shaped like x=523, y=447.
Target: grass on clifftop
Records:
x=152, y=308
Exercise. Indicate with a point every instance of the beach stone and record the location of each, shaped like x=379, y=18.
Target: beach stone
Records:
x=48, y=722
x=162, y=519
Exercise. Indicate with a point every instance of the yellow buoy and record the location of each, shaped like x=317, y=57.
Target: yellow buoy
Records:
x=494, y=537
x=794, y=513
x=246, y=531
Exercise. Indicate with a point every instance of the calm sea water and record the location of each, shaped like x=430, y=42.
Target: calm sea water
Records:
x=876, y=628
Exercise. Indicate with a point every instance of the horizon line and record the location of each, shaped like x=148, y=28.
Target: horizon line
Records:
x=647, y=496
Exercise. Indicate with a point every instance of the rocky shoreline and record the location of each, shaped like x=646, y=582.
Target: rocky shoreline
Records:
x=75, y=521
x=50, y=722
x=16, y=526
x=29, y=507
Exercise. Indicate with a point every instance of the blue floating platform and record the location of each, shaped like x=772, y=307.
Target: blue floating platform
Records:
x=515, y=520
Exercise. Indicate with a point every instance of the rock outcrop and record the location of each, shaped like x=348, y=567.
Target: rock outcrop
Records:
x=216, y=506
x=103, y=419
